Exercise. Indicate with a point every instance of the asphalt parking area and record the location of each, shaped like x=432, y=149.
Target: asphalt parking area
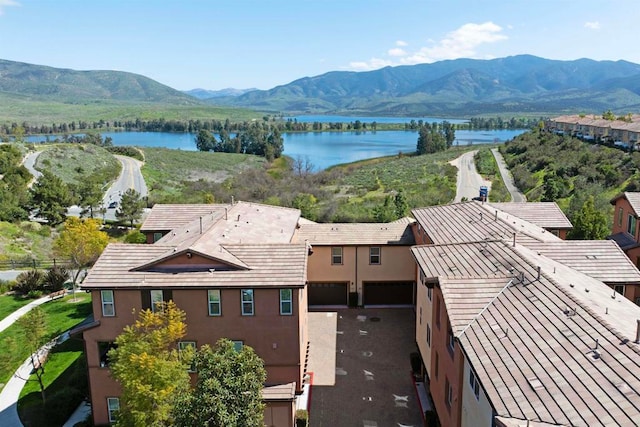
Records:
x=373, y=382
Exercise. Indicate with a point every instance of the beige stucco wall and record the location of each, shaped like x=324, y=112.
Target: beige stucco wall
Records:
x=279, y=414
x=475, y=412
x=424, y=317
x=396, y=264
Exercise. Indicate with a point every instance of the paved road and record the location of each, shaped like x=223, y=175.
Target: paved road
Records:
x=29, y=161
x=469, y=180
x=507, y=178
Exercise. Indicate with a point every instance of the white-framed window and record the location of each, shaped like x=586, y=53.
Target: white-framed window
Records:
x=108, y=305
x=247, y=302
x=189, y=346
x=428, y=335
x=474, y=384
x=113, y=406
x=336, y=255
x=374, y=255
x=157, y=299
x=286, y=302
x=238, y=344
x=619, y=289
x=156, y=237
x=215, y=304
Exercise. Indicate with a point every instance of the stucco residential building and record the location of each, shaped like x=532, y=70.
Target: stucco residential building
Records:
x=234, y=272
x=591, y=127
x=625, y=224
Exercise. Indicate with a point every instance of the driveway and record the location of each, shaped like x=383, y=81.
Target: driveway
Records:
x=372, y=380
x=469, y=180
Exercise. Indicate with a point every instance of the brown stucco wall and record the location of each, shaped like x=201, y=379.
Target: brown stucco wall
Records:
x=279, y=414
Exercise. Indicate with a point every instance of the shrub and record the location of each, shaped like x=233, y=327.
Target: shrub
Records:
x=135, y=236
x=55, y=278
x=61, y=404
x=28, y=281
x=34, y=294
x=302, y=418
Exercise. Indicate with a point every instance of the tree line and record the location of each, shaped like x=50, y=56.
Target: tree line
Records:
x=260, y=139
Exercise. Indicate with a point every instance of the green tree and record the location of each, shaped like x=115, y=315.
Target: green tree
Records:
x=131, y=207
x=589, y=223
x=228, y=390
x=401, y=205
x=449, y=133
x=89, y=195
x=308, y=205
x=80, y=243
x=205, y=141
x=50, y=196
x=34, y=327
x=385, y=212
x=148, y=366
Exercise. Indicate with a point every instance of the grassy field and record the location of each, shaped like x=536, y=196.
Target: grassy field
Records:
x=19, y=109
x=165, y=170
x=65, y=384
x=25, y=240
x=10, y=303
x=61, y=315
x=73, y=163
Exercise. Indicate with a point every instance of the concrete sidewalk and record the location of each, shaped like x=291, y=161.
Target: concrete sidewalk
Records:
x=11, y=319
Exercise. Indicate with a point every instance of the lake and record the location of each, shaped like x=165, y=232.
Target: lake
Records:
x=322, y=149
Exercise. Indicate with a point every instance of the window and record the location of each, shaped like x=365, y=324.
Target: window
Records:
x=619, y=289
x=374, y=255
x=247, y=302
x=435, y=367
x=451, y=340
x=156, y=299
x=238, y=344
x=429, y=293
x=156, y=237
x=448, y=390
x=428, y=335
x=215, y=308
x=437, y=303
x=421, y=315
x=190, y=347
x=422, y=276
x=336, y=255
x=631, y=225
x=113, y=406
x=103, y=352
x=108, y=306
x=286, y=301
x=474, y=384
x=620, y=214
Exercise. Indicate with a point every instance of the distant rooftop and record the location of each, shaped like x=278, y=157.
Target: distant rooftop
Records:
x=393, y=233
x=544, y=214
x=171, y=216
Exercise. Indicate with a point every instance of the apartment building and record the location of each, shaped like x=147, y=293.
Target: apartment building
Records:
x=359, y=264
x=235, y=273
x=594, y=128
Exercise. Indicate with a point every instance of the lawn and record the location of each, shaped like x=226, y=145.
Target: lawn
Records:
x=61, y=315
x=65, y=384
x=10, y=303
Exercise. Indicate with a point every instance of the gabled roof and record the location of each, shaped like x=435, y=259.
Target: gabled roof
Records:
x=530, y=335
x=171, y=216
x=475, y=221
x=392, y=233
x=544, y=214
x=600, y=259
x=269, y=265
x=632, y=197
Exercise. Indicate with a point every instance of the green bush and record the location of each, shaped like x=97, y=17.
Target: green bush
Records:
x=302, y=418
x=29, y=281
x=135, y=236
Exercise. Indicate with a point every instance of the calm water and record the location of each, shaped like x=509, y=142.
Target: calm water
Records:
x=322, y=149
x=349, y=119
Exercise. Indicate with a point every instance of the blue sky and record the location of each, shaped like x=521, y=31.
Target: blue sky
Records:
x=215, y=44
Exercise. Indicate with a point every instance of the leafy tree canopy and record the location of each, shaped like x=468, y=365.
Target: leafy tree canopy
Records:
x=589, y=223
x=80, y=242
x=131, y=207
x=51, y=197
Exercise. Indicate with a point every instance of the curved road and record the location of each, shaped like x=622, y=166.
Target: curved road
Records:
x=507, y=178
x=130, y=177
x=469, y=180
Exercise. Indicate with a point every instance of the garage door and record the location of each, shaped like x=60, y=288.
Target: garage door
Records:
x=388, y=293
x=328, y=293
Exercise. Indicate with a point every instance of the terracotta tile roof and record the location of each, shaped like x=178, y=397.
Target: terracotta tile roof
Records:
x=169, y=217
x=476, y=221
x=543, y=214
x=632, y=197
x=392, y=233
x=531, y=337
x=269, y=265
x=600, y=259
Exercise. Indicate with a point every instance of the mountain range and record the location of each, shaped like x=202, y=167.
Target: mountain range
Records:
x=460, y=87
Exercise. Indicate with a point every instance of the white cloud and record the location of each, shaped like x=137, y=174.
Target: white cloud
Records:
x=401, y=43
x=5, y=3
x=396, y=51
x=595, y=25
x=460, y=43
